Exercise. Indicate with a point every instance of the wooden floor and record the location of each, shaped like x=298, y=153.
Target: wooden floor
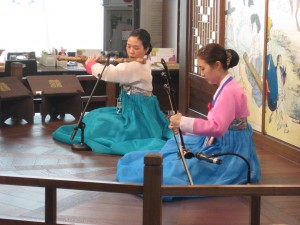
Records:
x=30, y=150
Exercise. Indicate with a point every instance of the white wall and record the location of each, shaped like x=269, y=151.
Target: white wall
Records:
x=151, y=20
x=170, y=24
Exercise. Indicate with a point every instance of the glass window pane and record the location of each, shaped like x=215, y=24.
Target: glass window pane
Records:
x=40, y=25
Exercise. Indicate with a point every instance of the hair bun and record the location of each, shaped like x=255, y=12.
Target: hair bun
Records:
x=232, y=58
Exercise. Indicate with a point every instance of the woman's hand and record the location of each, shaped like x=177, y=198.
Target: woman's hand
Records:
x=92, y=59
x=175, y=122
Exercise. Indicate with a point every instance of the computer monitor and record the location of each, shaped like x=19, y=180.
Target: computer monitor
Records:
x=21, y=56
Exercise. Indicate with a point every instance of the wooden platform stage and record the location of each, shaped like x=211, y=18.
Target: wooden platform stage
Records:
x=28, y=149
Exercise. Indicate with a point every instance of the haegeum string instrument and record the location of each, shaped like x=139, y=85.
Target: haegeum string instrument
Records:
x=83, y=58
x=183, y=152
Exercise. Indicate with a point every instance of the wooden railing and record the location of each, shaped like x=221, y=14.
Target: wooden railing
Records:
x=152, y=189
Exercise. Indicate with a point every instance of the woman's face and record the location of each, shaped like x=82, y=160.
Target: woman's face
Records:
x=209, y=72
x=135, y=48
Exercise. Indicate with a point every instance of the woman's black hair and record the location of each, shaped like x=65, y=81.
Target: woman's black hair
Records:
x=144, y=36
x=214, y=52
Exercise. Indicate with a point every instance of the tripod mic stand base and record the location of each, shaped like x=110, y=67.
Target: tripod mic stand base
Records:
x=80, y=147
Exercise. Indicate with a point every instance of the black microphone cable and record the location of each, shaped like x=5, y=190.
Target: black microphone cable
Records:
x=213, y=158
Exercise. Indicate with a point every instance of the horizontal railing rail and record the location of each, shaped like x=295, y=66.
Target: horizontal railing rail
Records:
x=52, y=184
x=152, y=191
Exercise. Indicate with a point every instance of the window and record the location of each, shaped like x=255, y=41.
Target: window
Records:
x=206, y=26
x=40, y=25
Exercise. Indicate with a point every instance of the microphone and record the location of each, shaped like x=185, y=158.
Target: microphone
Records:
x=208, y=158
x=187, y=153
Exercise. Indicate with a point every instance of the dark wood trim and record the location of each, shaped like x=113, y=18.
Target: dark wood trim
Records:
x=276, y=146
x=178, y=31
x=221, y=22
x=264, y=94
x=184, y=58
x=136, y=14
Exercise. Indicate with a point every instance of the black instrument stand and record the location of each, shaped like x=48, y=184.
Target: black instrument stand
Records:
x=81, y=125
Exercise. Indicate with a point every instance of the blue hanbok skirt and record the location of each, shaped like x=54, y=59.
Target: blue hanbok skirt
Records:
x=140, y=125
x=232, y=170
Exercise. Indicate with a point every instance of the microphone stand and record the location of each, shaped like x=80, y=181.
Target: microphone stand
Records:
x=81, y=125
x=182, y=151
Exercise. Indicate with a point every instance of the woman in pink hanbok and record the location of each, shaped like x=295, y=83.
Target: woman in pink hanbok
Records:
x=224, y=130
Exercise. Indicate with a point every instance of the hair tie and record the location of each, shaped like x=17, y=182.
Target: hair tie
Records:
x=229, y=57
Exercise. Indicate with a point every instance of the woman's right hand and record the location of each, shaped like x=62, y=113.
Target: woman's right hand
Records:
x=175, y=122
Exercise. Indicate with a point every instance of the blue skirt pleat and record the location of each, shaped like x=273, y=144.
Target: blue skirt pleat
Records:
x=232, y=170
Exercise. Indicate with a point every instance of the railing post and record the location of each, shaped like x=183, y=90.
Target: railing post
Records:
x=255, y=210
x=50, y=205
x=152, y=205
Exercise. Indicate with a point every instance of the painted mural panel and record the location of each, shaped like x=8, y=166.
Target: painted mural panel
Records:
x=282, y=117
x=244, y=33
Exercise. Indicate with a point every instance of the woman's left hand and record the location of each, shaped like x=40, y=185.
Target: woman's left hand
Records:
x=91, y=59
